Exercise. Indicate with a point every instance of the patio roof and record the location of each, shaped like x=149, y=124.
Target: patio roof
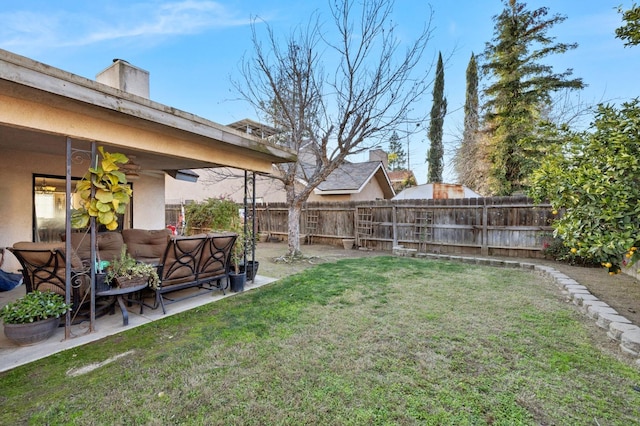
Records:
x=42, y=106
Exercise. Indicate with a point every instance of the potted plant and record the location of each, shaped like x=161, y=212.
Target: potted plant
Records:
x=110, y=194
x=125, y=271
x=247, y=245
x=33, y=317
x=238, y=277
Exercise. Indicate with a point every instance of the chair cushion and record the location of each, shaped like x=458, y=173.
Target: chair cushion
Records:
x=81, y=243
x=109, y=245
x=146, y=244
x=76, y=261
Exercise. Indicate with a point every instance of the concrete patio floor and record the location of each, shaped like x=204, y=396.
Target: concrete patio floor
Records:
x=12, y=355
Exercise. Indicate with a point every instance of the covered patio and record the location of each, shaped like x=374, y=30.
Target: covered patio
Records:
x=51, y=122
x=12, y=356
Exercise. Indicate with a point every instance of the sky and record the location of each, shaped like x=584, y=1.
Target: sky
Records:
x=193, y=49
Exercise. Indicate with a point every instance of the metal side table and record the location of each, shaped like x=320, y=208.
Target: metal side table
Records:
x=121, y=295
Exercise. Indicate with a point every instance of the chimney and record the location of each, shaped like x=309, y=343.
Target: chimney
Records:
x=124, y=76
x=379, y=155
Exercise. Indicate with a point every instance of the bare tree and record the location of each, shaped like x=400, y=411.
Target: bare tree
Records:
x=326, y=116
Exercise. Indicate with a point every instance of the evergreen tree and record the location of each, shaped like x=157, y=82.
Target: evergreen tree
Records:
x=468, y=162
x=438, y=111
x=630, y=31
x=521, y=89
x=397, y=155
x=471, y=103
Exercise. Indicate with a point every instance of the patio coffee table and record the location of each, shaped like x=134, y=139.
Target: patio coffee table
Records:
x=104, y=290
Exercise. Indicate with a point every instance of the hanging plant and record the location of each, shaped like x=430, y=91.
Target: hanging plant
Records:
x=111, y=196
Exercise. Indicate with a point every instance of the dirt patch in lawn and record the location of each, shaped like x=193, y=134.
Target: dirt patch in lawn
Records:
x=621, y=292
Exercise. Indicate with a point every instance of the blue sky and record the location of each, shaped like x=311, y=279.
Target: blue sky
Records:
x=192, y=48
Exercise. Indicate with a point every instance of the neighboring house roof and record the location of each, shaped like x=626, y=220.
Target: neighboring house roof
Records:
x=351, y=178
x=436, y=191
x=398, y=178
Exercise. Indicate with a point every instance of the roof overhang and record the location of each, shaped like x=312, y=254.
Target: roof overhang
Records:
x=42, y=106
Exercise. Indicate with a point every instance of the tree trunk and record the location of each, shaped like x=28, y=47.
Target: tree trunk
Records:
x=294, y=229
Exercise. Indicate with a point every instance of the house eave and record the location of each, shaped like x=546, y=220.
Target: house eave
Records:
x=25, y=83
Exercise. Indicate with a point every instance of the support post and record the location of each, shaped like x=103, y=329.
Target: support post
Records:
x=92, y=266
x=67, y=244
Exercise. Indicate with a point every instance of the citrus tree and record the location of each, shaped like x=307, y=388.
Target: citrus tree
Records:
x=594, y=179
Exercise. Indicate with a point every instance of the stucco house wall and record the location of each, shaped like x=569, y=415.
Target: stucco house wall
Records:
x=16, y=189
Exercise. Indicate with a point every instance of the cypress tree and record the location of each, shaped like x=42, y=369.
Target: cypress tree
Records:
x=467, y=159
x=438, y=111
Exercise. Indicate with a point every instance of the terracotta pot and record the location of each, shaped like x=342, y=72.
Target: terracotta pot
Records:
x=348, y=243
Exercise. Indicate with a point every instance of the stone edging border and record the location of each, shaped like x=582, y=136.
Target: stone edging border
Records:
x=617, y=326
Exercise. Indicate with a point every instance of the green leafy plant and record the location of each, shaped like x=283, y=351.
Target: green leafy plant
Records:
x=555, y=248
x=220, y=214
x=211, y=214
x=111, y=196
x=125, y=266
x=243, y=242
x=34, y=306
x=595, y=179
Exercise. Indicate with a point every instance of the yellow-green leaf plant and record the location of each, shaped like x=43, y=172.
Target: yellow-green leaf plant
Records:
x=111, y=196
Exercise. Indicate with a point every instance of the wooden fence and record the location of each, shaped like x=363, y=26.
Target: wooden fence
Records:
x=505, y=226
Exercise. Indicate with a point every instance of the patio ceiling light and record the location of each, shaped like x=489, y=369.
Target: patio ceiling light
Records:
x=184, y=174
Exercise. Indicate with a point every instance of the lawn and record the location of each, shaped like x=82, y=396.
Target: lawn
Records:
x=380, y=340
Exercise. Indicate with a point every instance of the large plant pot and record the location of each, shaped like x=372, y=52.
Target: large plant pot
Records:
x=32, y=332
x=237, y=281
x=348, y=243
x=251, y=269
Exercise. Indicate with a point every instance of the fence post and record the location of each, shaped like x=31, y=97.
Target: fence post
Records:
x=394, y=219
x=484, y=249
x=355, y=225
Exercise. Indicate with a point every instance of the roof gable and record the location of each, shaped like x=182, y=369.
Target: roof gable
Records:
x=350, y=178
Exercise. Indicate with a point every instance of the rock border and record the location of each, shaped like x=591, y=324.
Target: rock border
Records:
x=618, y=328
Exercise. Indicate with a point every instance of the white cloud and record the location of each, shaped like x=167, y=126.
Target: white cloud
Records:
x=38, y=31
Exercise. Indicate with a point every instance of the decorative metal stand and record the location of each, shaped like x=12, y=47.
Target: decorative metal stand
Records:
x=249, y=217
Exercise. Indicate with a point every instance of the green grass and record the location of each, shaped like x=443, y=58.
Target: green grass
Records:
x=362, y=341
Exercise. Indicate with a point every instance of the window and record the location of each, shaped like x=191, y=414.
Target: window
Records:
x=49, y=201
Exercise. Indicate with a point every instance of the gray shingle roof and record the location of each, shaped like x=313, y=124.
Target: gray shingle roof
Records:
x=350, y=176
